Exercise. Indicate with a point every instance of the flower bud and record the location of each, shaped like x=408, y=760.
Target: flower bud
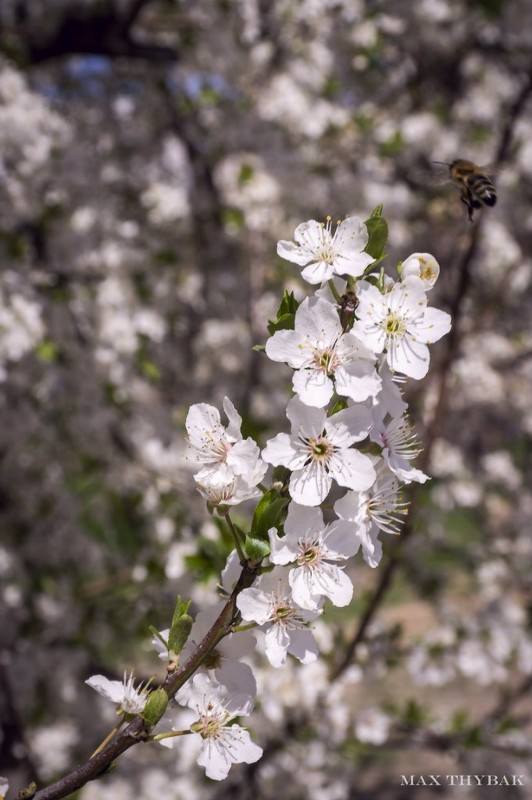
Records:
x=155, y=706
x=181, y=627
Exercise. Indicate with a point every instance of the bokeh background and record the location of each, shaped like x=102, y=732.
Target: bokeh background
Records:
x=152, y=152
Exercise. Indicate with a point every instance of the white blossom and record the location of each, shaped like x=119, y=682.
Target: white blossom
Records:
x=123, y=693
x=319, y=450
x=269, y=603
x=328, y=254
x=399, y=446
x=399, y=323
x=324, y=356
x=222, y=448
x=378, y=509
x=222, y=744
x=423, y=266
x=223, y=487
x=315, y=549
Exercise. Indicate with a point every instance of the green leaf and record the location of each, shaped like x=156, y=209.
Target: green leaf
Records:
x=267, y=514
x=378, y=233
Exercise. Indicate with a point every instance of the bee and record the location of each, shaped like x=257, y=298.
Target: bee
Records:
x=477, y=187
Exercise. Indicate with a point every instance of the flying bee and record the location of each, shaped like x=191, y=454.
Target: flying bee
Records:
x=477, y=188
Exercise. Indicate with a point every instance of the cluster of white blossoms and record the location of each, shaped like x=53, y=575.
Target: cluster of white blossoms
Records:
x=350, y=444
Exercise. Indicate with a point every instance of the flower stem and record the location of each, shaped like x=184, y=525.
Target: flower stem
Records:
x=334, y=290
x=236, y=538
x=109, y=736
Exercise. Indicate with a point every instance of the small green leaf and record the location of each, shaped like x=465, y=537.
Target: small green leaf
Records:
x=378, y=234
x=267, y=514
x=285, y=314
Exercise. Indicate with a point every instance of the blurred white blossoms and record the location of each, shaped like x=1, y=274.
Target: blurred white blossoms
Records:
x=315, y=549
x=123, y=693
x=400, y=323
x=21, y=327
x=327, y=253
x=222, y=744
x=320, y=351
x=4, y=786
x=271, y=605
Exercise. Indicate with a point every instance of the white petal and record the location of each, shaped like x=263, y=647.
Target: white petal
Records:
x=254, y=605
x=303, y=645
x=318, y=272
x=310, y=486
x=280, y=450
x=313, y=387
x=436, y=323
x=358, y=380
x=292, y=252
x=305, y=420
x=339, y=541
x=277, y=642
x=353, y=469
x=287, y=347
x=112, y=690
x=303, y=590
x=409, y=357
x=301, y=520
x=234, y=419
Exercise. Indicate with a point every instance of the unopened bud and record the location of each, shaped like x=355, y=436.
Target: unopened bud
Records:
x=181, y=627
x=155, y=706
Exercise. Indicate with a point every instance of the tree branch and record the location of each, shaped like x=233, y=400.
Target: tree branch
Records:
x=138, y=730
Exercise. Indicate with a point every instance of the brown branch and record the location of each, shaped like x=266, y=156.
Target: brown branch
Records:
x=138, y=730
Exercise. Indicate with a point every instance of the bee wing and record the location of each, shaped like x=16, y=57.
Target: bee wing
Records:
x=491, y=170
x=439, y=174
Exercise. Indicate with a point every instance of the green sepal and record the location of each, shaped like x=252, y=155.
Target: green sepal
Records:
x=256, y=549
x=285, y=314
x=180, y=628
x=340, y=405
x=155, y=706
x=378, y=234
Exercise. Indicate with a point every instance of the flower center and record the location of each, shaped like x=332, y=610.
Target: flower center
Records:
x=309, y=555
x=319, y=449
x=394, y=325
x=325, y=360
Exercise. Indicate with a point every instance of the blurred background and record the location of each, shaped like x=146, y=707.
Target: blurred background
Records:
x=152, y=153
